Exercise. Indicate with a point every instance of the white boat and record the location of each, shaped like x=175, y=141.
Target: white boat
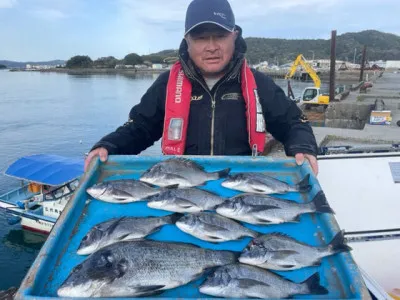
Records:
x=364, y=191
x=48, y=182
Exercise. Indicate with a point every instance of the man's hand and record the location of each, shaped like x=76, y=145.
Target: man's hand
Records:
x=102, y=152
x=311, y=158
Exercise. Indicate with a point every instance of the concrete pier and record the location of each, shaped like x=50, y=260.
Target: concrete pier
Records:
x=347, y=122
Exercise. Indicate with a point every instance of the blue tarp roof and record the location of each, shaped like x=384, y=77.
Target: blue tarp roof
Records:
x=46, y=169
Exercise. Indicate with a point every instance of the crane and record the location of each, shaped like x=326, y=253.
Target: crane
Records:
x=311, y=95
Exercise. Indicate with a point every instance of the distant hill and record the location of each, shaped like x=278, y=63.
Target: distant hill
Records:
x=380, y=45
x=16, y=64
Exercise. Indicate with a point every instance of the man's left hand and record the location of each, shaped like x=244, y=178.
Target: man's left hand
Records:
x=311, y=158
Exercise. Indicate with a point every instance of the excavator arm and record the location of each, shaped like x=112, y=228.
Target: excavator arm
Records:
x=300, y=60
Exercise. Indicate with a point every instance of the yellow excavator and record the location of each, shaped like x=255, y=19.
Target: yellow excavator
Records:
x=311, y=95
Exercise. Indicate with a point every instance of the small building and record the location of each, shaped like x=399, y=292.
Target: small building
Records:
x=157, y=66
x=141, y=67
x=393, y=65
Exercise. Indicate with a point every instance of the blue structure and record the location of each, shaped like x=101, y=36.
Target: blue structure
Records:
x=46, y=169
x=339, y=273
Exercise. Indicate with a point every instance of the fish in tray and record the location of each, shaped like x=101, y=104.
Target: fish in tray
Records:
x=213, y=228
x=122, y=191
x=263, y=209
x=140, y=268
x=263, y=184
x=122, y=229
x=185, y=200
x=181, y=171
x=243, y=281
x=280, y=252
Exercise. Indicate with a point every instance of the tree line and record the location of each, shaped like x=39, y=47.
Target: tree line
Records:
x=109, y=62
x=349, y=47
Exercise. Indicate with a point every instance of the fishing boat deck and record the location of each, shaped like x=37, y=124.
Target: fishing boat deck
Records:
x=16, y=195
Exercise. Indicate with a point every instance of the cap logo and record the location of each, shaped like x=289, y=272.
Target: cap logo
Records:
x=222, y=15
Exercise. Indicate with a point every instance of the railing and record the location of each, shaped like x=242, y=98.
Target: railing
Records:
x=23, y=191
x=15, y=193
x=54, y=197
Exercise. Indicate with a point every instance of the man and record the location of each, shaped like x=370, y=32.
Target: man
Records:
x=211, y=102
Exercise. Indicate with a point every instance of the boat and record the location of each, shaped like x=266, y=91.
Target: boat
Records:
x=48, y=183
x=364, y=180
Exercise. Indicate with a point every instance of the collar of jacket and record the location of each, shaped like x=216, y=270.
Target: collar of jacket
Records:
x=233, y=69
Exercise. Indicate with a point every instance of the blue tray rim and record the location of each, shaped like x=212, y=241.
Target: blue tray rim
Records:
x=31, y=278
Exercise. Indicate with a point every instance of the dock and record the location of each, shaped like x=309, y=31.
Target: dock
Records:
x=349, y=119
x=346, y=122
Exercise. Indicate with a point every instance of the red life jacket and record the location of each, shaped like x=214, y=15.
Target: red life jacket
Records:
x=177, y=106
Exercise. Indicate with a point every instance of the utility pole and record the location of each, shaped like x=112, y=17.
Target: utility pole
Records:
x=355, y=51
x=363, y=63
x=333, y=67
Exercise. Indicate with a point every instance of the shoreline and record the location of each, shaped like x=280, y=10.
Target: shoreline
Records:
x=88, y=71
x=349, y=75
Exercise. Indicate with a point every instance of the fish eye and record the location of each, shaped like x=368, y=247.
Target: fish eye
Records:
x=85, y=238
x=108, y=264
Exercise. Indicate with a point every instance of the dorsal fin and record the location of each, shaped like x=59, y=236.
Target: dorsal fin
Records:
x=188, y=162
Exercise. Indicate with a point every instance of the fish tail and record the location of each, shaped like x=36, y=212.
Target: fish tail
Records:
x=321, y=204
x=338, y=243
x=171, y=219
x=314, y=286
x=222, y=174
x=304, y=185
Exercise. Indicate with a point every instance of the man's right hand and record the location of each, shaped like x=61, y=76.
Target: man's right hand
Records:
x=102, y=152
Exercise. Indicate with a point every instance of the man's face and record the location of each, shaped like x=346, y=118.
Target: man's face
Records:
x=211, y=48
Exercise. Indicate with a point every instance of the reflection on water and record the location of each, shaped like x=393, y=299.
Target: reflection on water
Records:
x=24, y=240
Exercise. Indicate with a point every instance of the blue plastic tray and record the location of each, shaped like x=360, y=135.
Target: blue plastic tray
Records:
x=339, y=273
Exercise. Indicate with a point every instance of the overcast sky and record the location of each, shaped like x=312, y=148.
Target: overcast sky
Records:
x=58, y=29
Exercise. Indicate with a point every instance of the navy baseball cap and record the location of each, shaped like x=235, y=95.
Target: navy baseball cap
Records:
x=218, y=12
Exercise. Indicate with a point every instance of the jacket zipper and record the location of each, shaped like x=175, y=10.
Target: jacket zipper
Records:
x=212, y=125
x=213, y=104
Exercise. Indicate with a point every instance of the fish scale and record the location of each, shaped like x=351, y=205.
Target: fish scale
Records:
x=125, y=228
x=276, y=251
x=213, y=228
x=122, y=191
x=180, y=171
x=113, y=270
x=259, y=183
x=264, y=209
x=243, y=281
x=185, y=200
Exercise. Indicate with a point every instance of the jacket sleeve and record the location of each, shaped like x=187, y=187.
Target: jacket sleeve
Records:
x=145, y=124
x=284, y=120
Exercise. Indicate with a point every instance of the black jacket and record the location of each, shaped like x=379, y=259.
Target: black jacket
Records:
x=284, y=120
